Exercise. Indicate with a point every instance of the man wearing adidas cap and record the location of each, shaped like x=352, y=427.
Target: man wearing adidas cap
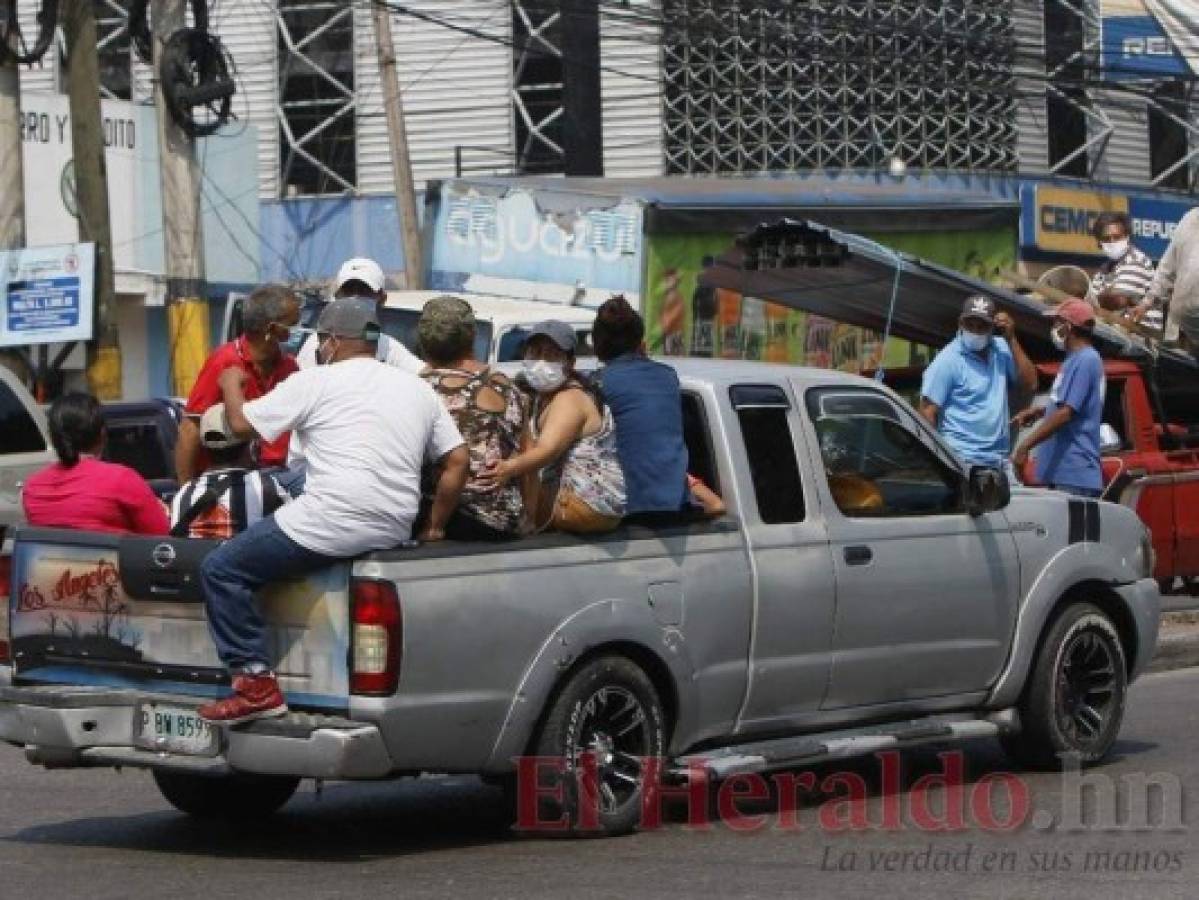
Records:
x=964, y=394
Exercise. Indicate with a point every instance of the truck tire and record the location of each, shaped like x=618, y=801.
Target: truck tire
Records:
x=1074, y=701
x=231, y=797
x=610, y=708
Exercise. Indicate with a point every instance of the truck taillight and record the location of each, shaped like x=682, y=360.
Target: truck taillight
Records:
x=377, y=638
x=5, y=593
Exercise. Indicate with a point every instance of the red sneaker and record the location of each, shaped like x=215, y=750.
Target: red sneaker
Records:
x=254, y=697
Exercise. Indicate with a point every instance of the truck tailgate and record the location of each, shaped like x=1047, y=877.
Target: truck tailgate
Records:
x=96, y=609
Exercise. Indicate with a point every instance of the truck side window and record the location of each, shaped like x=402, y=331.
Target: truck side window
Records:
x=18, y=430
x=762, y=411
x=875, y=465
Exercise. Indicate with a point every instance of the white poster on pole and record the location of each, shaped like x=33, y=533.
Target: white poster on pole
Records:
x=48, y=294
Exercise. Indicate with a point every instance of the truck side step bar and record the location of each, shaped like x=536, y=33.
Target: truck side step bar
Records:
x=809, y=749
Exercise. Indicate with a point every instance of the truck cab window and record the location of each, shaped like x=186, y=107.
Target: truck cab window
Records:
x=762, y=411
x=18, y=432
x=875, y=464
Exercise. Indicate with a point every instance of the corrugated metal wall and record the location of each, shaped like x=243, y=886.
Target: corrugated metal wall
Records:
x=1032, y=145
x=1125, y=160
x=250, y=33
x=455, y=91
x=631, y=89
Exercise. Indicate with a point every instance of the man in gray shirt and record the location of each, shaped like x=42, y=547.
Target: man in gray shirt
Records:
x=1176, y=284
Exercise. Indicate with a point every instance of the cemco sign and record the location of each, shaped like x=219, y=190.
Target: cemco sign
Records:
x=1060, y=220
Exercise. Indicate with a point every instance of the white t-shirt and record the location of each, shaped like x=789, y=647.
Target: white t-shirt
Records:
x=389, y=351
x=367, y=429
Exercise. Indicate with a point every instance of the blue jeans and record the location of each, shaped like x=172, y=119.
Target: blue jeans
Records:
x=291, y=480
x=233, y=572
x=1077, y=491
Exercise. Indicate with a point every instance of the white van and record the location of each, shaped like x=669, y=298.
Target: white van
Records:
x=503, y=322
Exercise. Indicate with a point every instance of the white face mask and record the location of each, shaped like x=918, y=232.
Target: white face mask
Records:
x=325, y=356
x=1115, y=250
x=544, y=376
x=975, y=342
x=1058, y=336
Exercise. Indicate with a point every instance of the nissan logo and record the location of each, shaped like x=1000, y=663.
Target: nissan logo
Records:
x=163, y=556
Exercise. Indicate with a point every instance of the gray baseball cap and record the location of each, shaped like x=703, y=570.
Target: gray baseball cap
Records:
x=350, y=317
x=558, y=332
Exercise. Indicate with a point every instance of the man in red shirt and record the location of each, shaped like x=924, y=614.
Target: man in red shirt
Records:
x=268, y=316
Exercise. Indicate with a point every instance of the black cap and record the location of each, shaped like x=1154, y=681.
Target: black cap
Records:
x=979, y=307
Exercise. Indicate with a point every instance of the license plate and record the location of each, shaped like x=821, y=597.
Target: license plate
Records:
x=173, y=729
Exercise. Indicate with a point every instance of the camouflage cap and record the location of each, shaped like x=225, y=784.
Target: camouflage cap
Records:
x=445, y=320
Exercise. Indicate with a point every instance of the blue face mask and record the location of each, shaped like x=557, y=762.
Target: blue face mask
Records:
x=974, y=342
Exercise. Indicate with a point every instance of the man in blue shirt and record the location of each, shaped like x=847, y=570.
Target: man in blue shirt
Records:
x=1069, y=429
x=964, y=394
x=647, y=405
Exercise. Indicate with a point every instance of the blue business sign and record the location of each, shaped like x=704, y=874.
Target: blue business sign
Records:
x=1140, y=38
x=48, y=294
x=1154, y=222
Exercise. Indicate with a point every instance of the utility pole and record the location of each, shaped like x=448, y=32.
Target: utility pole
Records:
x=12, y=198
x=187, y=306
x=401, y=163
x=91, y=190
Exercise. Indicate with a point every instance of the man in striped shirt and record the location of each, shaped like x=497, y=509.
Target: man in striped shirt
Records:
x=230, y=496
x=1124, y=278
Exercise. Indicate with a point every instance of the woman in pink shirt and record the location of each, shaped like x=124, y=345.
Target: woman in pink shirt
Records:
x=82, y=491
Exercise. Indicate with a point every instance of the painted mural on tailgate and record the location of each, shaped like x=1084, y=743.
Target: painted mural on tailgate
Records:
x=73, y=619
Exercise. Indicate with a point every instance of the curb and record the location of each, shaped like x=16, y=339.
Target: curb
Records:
x=1177, y=643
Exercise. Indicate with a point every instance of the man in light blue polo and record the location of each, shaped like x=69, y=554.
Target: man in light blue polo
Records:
x=964, y=394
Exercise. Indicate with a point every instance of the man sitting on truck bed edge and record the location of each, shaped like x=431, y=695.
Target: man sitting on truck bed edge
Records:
x=367, y=430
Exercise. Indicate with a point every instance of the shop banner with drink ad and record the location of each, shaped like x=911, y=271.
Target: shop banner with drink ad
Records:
x=686, y=318
x=48, y=294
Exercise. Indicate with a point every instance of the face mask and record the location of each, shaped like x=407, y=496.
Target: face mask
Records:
x=544, y=376
x=1058, y=336
x=1115, y=249
x=975, y=342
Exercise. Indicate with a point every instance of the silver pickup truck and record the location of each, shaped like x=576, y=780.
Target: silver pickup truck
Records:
x=864, y=593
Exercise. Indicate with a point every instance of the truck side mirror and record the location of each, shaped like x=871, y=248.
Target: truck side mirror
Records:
x=987, y=490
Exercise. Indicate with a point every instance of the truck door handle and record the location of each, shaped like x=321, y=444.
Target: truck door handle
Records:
x=858, y=555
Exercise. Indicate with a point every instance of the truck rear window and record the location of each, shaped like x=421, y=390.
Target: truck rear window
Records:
x=18, y=431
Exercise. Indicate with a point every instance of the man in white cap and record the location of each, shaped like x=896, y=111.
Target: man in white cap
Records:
x=362, y=277
x=368, y=430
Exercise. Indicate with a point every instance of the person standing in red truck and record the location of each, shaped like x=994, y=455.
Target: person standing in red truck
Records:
x=269, y=315
x=1069, y=428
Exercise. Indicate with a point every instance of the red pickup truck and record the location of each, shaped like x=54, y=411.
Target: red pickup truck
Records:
x=1154, y=469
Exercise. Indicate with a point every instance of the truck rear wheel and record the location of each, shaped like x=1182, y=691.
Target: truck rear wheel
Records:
x=1074, y=701
x=599, y=729
x=232, y=797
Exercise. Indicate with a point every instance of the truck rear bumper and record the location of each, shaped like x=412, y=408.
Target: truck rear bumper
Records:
x=68, y=727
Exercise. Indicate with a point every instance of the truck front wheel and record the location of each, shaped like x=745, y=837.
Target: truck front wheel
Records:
x=600, y=727
x=231, y=797
x=1074, y=701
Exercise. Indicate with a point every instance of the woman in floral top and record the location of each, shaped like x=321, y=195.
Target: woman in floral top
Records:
x=574, y=449
x=489, y=411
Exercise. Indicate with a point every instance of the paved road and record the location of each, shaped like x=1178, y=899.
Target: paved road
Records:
x=98, y=835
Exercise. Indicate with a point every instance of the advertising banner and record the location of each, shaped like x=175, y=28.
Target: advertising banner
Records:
x=48, y=294
x=1150, y=38
x=1060, y=220
x=685, y=318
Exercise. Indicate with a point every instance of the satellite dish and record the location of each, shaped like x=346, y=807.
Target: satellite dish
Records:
x=1069, y=280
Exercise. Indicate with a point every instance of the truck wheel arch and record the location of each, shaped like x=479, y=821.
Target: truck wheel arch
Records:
x=1013, y=681
x=607, y=627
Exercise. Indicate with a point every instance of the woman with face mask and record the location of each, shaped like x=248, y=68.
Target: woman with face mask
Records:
x=581, y=487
